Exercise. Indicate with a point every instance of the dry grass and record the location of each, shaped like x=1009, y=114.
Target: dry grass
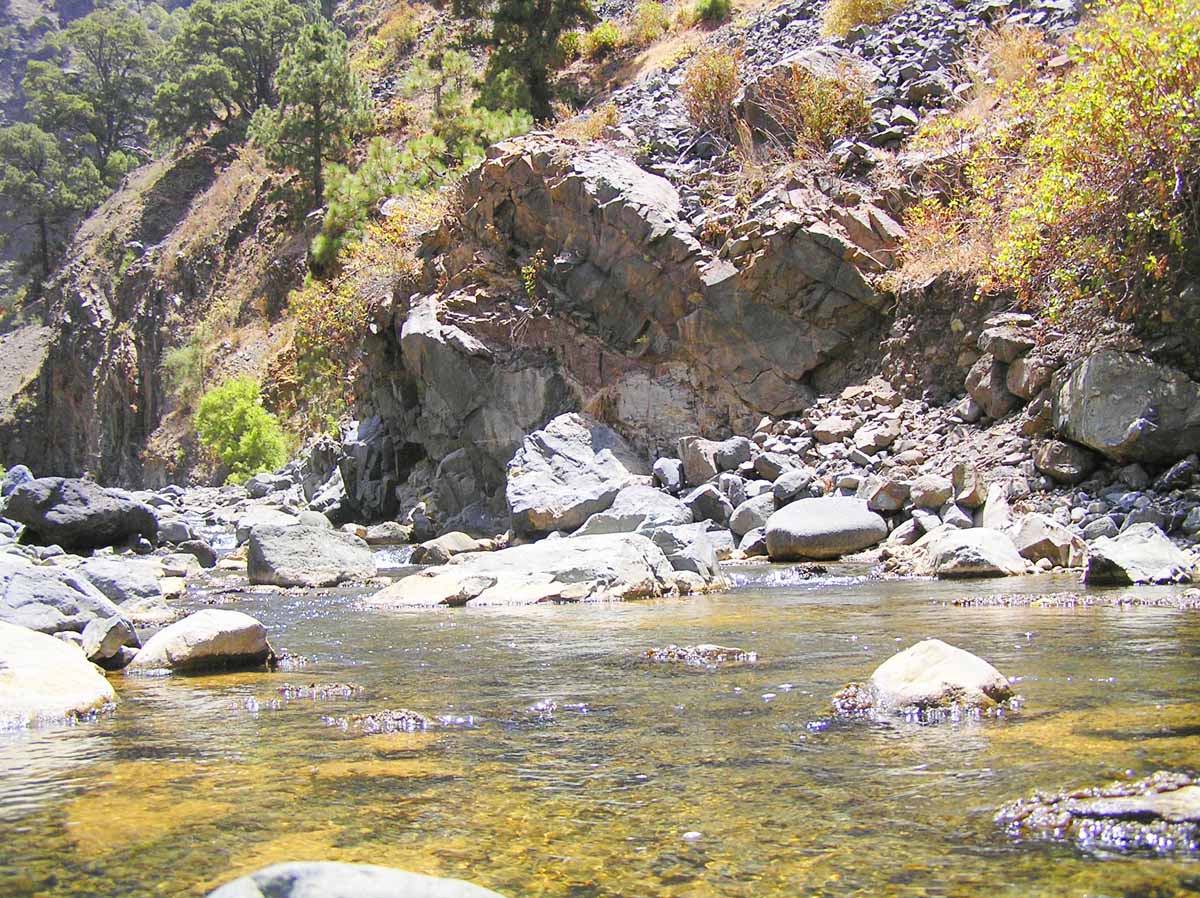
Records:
x=590, y=127
x=710, y=86
x=843, y=15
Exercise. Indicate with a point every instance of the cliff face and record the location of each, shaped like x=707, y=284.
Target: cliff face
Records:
x=570, y=278
x=150, y=263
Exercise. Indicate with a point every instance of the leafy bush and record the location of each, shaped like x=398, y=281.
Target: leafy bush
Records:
x=710, y=85
x=185, y=367
x=232, y=423
x=841, y=16
x=816, y=110
x=1089, y=188
x=570, y=46
x=603, y=40
x=650, y=22
x=713, y=11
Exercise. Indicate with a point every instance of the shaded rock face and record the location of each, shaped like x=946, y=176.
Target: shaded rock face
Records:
x=1140, y=554
x=575, y=569
x=823, y=528
x=306, y=556
x=1159, y=814
x=567, y=472
x=929, y=676
x=1129, y=409
x=44, y=679
x=328, y=879
x=78, y=514
x=212, y=639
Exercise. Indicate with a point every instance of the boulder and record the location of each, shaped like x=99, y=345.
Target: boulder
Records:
x=79, y=515
x=329, y=879
x=769, y=465
x=705, y=459
x=104, y=640
x=13, y=478
x=1141, y=554
x=261, y=484
x=1006, y=342
x=1128, y=408
x=752, y=514
x=930, y=491
x=970, y=486
x=565, y=473
x=200, y=550
x=44, y=679
x=173, y=530
x=707, y=503
x=688, y=548
x=1039, y=537
x=885, y=495
x=634, y=507
x=833, y=429
x=1028, y=376
x=754, y=543
x=957, y=553
x=124, y=579
x=873, y=438
x=612, y=567
x=263, y=515
x=1064, y=462
x=668, y=473
x=931, y=676
x=444, y=547
x=795, y=484
x=987, y=385
x=823, y=528
x=306, y=556
x=49, y=599
x=212, y=639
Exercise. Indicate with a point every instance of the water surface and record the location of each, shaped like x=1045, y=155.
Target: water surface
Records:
x=572, y=768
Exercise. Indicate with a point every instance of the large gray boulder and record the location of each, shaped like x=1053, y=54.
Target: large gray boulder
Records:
x=124, y=579
x=263, y=516
x=577, y=569
x=634, y=507
x=930, y=675
x=1140, y=554
x=78, y=514
x=752, y=514
x=306, y=556
x=705, y=459
x=44, y=679
x=567, y=472
x=329, y=879
x=955, y=553
x=1128, y=408
x=823, y=528
x=1038, y=537
x=49, y=599
x=689, y=548
x=211, y=639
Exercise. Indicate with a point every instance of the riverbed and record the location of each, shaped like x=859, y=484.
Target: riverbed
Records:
x=562, y=763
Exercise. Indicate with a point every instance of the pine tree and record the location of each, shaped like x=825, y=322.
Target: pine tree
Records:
x=221, y=64
x=321, y=108
x=44, y=190
x=524, y=38
x=96, y=92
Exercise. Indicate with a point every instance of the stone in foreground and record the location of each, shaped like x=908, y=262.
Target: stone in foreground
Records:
x=578, y=569
x=78, y=514
x=567, y=472
x=306, y=556
x=1160, y=813
x=1141, y=554
x=328, y=879
x=212, y=639
x=822, y=528
x=44, y=679
x=930, y=676
x=49, y=599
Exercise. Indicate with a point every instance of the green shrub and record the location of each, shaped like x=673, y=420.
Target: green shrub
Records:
x=843, y=15
x=185, y=367
x=650, y=22
x=710, y=86
x=713, y=11
x=602, y=40
x=570, y=46
x=232, y=423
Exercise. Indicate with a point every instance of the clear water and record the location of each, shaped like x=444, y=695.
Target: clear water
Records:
x=646, y=780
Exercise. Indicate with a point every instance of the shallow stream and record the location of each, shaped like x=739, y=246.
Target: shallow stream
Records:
x=570, y=767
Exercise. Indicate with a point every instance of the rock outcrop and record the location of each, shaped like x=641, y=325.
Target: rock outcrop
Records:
x=570, y=569
x=44, y=679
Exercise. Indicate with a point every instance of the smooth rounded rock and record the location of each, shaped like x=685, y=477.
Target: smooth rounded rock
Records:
x=44, y=679
x=823, y=528
x=329, y=879
x=210, y=639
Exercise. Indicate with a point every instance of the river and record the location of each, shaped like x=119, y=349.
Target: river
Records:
x=569, y=766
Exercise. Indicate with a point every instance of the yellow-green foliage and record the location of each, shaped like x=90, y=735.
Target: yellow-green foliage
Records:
x=816, y=110
x=395, y=38
x=713, y=11
x=570, y=46
x=602, y=40
x=1091, y=187
x=843, y=15
x=710, y=85
x=232, y=423
x=650, y=22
